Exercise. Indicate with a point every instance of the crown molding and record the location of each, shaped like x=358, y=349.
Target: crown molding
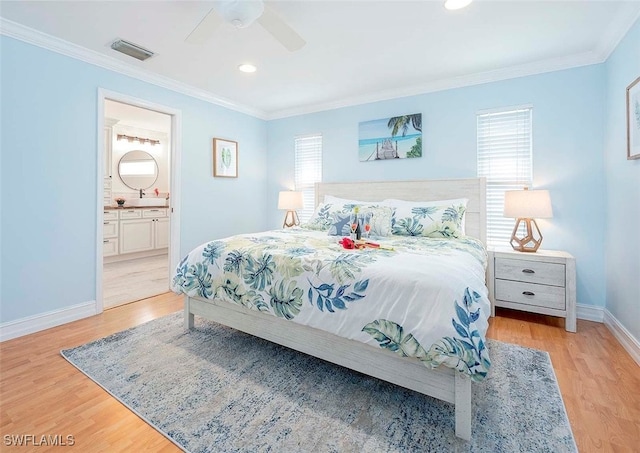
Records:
x=555, y=64
x=37, y=38
x=627, y=15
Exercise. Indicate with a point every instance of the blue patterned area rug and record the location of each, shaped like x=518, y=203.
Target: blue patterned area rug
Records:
x=215, y=389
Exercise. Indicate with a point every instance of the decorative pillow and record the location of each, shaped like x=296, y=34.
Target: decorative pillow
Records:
x=379, y=219
x=412, y=204
x=320, y=219
x=431, y=219
x=340, y=224
x=323, y=216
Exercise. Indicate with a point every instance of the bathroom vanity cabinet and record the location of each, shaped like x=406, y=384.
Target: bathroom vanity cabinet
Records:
x=139, y=231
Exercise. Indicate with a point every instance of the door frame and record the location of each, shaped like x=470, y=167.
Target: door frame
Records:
x=174, y=180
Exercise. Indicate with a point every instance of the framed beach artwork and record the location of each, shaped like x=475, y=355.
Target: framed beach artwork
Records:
x=397, y=137
x=225, y=158
x=633, y=120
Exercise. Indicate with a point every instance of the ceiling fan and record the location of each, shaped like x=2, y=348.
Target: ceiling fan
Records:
x=241, y=14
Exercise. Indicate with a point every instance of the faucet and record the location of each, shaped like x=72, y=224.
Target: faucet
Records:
x=141, y=193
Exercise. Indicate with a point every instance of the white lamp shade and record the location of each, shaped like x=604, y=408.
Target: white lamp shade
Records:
x=527, y=204
x=290, y=200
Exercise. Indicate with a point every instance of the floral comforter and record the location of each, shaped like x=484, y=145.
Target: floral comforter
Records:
x=425, y=299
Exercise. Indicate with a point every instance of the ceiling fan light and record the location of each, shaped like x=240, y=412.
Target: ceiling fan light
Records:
x=456, y=4
x=247, y=67
x=240, y=13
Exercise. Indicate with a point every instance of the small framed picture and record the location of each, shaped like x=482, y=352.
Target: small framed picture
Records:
x=633, y=120
x=225, y=158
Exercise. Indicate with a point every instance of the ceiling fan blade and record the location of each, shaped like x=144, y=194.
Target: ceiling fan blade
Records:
x=279, y=29
x=205, y=28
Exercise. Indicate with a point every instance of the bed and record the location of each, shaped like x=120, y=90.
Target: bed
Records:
x=302, y=290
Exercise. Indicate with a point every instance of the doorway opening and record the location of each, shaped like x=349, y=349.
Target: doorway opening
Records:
x=137, y=222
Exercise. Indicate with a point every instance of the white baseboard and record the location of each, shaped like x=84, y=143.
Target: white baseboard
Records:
x=42, y=321
x=590, y=313
x=628, y=341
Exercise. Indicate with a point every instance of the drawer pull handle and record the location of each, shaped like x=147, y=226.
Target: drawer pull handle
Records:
x=528, y=293
x=528, y=271
x=106, y=223
x=105, y=241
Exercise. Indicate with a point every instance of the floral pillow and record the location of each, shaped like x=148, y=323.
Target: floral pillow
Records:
x=322, y=217
x=379, y=219
x=430, y=220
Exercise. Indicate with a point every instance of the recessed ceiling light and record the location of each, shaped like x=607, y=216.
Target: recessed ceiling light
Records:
x=247, y=67
x=456, y=4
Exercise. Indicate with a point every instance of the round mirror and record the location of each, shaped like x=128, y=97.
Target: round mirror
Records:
x=138, y=170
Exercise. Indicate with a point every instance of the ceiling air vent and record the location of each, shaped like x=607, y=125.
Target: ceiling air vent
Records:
x=131, y=49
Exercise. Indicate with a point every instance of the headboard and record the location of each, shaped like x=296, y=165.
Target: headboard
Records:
x=424, y=190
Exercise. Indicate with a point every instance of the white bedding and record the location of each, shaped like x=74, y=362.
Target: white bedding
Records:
x=426, y=298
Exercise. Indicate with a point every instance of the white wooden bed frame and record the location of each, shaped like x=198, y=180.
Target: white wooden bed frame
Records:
x=443, y=383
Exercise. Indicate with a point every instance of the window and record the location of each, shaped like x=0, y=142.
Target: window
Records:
x=505, y=159
x=308, y=171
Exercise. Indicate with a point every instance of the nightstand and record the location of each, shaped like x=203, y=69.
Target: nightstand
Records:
x=541, y=282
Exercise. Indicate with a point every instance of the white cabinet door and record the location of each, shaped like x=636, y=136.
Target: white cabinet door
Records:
x=162, y=233
x=110, y=229
x=110, y=247
x=136, y=235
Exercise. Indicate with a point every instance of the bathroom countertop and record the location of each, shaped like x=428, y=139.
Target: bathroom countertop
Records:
x=108, y=208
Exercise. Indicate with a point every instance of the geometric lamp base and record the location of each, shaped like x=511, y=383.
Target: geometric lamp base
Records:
x=291, y=219
x=528, y=243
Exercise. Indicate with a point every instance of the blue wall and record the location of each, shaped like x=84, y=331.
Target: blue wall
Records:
x=48, y=175
x=622, y=241
x=568, y=116
x=48, y=168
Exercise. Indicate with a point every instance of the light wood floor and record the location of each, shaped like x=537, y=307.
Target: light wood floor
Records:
x=132, y=280
x=40, y=393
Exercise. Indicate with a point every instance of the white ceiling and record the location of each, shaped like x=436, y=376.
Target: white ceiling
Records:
x=356, y=51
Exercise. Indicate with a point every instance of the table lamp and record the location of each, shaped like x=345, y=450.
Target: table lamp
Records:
x=527, y=205
x=290, y=200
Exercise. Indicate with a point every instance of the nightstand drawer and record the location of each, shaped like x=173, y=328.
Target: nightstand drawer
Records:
x=530, y=294
x=530, y=271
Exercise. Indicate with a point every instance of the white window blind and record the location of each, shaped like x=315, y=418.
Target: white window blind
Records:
x=505, y=159
x=308, y=171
